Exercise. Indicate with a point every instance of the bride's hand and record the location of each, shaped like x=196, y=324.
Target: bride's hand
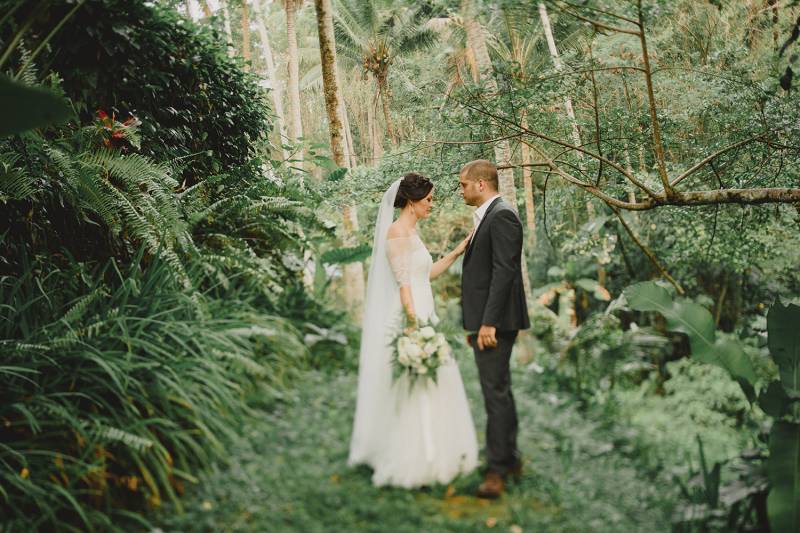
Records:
x=411, y=325
x=462, y=246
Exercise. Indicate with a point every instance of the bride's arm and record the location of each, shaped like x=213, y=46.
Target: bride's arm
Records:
x=408, y=305
x=445, y=262
x=398, y=250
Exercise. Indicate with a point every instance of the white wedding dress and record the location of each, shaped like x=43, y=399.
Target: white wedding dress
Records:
x=410, y=436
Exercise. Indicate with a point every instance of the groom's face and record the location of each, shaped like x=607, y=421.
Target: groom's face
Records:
x=471, y=190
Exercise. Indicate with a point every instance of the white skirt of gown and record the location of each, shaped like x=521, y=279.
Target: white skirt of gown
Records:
x=417, y=436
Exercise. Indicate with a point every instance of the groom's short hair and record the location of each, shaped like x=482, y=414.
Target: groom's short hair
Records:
x=481, y=169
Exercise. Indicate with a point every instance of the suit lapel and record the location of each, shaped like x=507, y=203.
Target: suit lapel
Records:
x=480, y=227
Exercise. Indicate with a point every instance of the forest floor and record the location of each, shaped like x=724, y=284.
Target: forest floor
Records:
x=288, y=472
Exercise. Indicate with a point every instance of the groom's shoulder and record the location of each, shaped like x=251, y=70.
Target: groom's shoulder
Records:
x=504, y=210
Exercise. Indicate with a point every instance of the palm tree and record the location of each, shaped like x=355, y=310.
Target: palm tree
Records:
x=476, y=40
x=521, y=49
x=226, y=18
x=276, y=88
x=246, y=34
x=293, y=64
x=374, y=34
x=354, y=272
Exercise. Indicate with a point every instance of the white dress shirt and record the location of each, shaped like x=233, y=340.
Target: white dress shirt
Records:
x=480, y=212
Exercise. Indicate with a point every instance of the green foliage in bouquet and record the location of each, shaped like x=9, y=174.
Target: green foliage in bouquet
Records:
x=418, y=352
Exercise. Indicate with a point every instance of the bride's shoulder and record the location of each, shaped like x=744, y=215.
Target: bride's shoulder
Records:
x=397, y=231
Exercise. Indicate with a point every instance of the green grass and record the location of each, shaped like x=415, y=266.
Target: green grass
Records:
x=287, y=472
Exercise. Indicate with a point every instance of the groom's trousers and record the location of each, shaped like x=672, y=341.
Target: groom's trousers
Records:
x=501, y=423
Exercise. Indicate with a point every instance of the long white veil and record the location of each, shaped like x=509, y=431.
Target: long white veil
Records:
x=381, y=310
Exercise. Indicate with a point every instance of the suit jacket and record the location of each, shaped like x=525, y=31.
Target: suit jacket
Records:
x=492, y=292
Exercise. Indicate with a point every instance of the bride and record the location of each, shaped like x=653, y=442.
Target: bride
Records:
x=410, y=436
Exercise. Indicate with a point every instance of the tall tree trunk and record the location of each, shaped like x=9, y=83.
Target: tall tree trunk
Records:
x=353, y=272
x=528, y=185
x=375, y=133
x=576, y=134
x=226, y=19
x=293, y=84
x=502, y=150
x=246, y=34
x=477, y=43
x=551, y=45
x=350, y=151
x=269, y=61
x=473, y=65
x=206, y=10
x=383, y=88
x=773, y=5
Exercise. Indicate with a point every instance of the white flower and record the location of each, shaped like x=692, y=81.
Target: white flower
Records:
x=422, y=369
x=403, y=359
x=402, y=344
x=416, y=336
x=445, y=353
x=427, y=332
x=429, y=348
x=440, y=340
x=414, y=352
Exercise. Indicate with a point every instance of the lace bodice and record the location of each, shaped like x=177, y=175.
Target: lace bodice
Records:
x=411, y=264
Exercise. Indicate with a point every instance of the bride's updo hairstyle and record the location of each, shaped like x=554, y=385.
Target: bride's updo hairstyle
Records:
x=413, y=187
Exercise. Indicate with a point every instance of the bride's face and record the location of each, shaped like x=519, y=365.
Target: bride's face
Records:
x=422, y=208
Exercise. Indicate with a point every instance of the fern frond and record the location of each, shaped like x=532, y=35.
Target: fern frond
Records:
x=340, y=256
x=79, y=307
x=130, y=440
x=15, y=182
x=249, y=365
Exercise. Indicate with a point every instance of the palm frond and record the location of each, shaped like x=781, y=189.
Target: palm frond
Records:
x=417, y=39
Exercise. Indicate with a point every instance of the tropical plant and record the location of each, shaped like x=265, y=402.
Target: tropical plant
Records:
x=197, y=107
x=376, y=34
x=118, y=385
x=779, y=399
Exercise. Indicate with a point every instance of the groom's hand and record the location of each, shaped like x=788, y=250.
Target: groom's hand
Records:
x=486, y=337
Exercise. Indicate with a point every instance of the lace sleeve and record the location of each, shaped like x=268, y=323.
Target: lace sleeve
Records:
x=399, y=252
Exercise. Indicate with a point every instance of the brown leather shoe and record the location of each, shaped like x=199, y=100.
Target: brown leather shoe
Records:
x=492, y=486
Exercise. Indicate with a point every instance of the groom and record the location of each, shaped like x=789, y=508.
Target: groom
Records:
x=493, y=305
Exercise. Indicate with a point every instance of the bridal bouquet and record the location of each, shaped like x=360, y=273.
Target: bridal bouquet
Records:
x=420, y=353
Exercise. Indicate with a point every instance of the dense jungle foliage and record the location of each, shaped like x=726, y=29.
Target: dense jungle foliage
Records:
x=185, y=232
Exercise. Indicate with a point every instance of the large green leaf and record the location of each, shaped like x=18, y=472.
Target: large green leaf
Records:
x=648, y=296
x=729, y=355
x=23, y=107
x=783, y=329
x=697, y=323
x=783, y=502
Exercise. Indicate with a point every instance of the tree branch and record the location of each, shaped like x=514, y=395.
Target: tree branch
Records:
x=617, y=167
x=713, y=156
x=598, y=24
x=588, y=187
x=604, y=12
x=658, y=147
x=649, y=253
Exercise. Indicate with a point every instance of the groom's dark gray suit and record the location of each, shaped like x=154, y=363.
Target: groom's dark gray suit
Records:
x=492, y=294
